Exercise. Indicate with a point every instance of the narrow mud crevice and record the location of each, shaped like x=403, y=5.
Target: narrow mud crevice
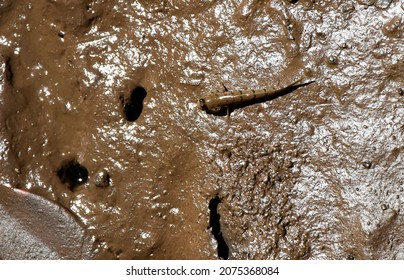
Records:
x=9, y=74
x=214, y=225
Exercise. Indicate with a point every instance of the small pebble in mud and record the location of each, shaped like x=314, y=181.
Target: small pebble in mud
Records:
x=264, y=153
x=332, y=60
x=367, y=164
x=72, y=173
x=384, y=207
x=102, y=179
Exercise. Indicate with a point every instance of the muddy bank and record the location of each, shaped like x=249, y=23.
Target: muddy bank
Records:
x=98, y=114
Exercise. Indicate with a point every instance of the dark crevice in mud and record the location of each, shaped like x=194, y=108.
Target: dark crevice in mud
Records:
x=134, y=106
x=91, y=21
x=214, y=224
x=72, y=173
x=9, y=74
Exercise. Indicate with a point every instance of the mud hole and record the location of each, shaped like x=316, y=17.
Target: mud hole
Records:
x=98, y=114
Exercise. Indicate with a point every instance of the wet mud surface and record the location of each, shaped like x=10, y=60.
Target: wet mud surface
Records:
x=98, y=114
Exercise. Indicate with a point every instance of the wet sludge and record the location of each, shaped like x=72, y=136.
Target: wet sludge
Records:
x=316, y=174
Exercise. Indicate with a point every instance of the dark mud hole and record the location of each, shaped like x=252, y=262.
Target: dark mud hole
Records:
x=98, y=114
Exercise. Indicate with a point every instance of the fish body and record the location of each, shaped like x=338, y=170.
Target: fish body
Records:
x=217, y=100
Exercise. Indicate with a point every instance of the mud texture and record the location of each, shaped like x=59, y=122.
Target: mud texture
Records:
x=98, y=114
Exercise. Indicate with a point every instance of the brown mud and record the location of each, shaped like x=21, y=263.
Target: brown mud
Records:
x=98, y=114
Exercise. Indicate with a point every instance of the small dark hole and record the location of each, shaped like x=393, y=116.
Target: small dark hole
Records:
x=293, y=1
x=72, y=173
x=134, y=106
x=61, y=35
x=214, y=224
x=350, y=257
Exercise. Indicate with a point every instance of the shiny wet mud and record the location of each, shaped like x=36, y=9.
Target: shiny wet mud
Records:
x=112, y=86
